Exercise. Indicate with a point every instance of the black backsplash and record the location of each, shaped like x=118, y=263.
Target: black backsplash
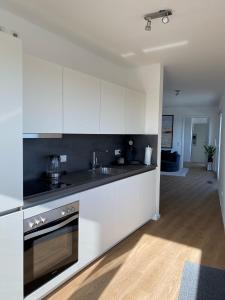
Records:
x=79, y=148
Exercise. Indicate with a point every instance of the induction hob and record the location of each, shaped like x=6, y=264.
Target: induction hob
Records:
x=34, y=187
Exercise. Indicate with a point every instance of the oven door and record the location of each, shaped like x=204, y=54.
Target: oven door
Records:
x=49, y=250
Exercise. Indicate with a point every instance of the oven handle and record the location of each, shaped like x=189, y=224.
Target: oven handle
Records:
x=50, y=229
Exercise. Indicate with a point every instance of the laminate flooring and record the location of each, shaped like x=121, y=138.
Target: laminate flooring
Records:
x=148, y=264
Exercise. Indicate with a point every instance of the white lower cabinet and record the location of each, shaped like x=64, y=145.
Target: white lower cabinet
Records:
x=96, y=232
x=135, y=201
x=127, y=202
x=147, y=196
x=11, y=256
x=113, y=211
x=107, y=215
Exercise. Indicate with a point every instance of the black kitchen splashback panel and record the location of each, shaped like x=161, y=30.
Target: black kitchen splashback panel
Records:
x=79, y=148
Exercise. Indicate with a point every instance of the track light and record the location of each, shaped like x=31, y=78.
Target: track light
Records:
x=163, y=14
x=148, y=26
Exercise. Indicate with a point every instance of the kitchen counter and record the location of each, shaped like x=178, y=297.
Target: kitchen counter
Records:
x=84, y=180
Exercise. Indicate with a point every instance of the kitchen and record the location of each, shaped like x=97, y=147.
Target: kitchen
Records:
x=73, y=180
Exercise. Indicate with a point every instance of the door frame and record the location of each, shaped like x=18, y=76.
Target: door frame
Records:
x=218, y=156
x=183, y=131
x=192, y=134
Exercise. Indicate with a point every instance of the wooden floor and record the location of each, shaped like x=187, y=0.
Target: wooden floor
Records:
x=148, y=264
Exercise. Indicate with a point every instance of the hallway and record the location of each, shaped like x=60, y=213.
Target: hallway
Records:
x=149, y=263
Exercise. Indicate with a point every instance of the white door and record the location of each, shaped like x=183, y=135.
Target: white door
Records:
x=200, y=136
x=134, y=112
x=42, y=96
x=81, y=102
x=112, y=118
x=11, y=256
x=11, y=164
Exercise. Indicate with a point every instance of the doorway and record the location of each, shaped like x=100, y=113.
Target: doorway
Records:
x=200, y=137
x=219, y=145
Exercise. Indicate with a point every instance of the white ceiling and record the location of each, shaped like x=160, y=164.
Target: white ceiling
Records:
x=115, y=27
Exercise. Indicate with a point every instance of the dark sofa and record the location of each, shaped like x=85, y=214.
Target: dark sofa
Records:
x=170, y=161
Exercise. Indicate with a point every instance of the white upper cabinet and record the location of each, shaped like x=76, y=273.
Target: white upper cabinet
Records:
x=62, y=100
x=42, y=96
x=81, y=100
x=112, y=117
x=135, y=112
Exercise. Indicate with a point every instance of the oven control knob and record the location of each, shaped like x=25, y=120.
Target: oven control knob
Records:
x=63, y=212
x=37, y=221
x=31, y=224
x=43, y=220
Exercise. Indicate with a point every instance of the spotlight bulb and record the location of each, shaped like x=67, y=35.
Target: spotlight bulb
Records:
x=165, y=20
x=148, y=26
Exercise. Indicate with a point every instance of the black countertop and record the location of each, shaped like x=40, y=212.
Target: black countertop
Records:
x=81, y=181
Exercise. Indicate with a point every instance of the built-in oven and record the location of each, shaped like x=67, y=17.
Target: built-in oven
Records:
x=50, y=245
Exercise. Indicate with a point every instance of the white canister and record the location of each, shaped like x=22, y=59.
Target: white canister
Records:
x=148, y=155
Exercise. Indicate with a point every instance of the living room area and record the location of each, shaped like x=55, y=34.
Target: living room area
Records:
x=190, y=137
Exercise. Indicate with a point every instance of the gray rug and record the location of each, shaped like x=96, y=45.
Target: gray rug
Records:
x=202, y=283
x=182, y=172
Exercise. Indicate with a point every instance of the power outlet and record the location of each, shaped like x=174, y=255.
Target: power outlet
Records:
x=117, y=152
x=63, y=158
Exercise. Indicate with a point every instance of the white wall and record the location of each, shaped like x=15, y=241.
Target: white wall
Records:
x=44, y=44
x=222, y=161
x=183, y=114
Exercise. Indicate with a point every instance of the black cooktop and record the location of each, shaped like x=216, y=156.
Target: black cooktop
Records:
x=34, y=187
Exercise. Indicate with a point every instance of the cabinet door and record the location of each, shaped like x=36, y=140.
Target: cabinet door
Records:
x=42, y=96
x=96, y=222
x=11, y=163
x=81, y=100
x=127, y=203
x=147, y=208
x=112, y=118
x=11, y=256
x=135, y=112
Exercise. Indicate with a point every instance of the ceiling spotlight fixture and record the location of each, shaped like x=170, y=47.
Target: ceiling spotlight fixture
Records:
x=163, y=14
x=148, y=26
x=165, y=19
x=177, y=92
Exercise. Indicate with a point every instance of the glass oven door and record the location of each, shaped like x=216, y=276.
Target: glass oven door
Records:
x=49, y=250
